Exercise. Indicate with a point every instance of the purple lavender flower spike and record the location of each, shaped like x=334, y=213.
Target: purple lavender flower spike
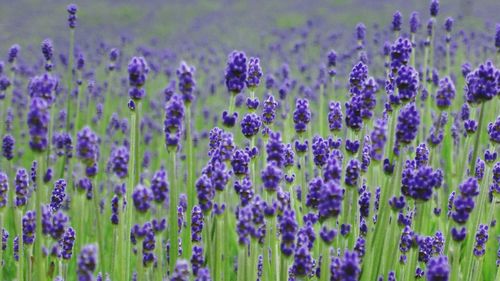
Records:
x=445, y=93
x=29, y=227
x=301, y=115
x=21, y=184
x=254, y=73
x=137, y=74
x=438, y=269
x=142, y=197
x=87, y=263
x=187, y=82
x=119, y=161
x=236, y=72
x=8, y=143
x=72, y=9
x=38, y=124
x=58, y=194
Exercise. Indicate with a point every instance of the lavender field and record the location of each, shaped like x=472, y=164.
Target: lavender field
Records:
x=250, y=140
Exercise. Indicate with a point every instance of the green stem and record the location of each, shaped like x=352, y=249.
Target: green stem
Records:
x=190, y=189
x=173, y=212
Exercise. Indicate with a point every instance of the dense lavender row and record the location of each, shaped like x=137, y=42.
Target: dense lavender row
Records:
x=378, y=163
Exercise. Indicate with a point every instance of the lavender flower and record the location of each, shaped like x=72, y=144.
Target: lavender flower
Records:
x=119, y=161
x=236, y=72
x=72, y=9
x=29, y=227
x=250, y=125
x=8, y=143
x=4, y=189
x=438, y=269
x=408, y=122
x=87, y=263
x=22, y=184
x=335, y=116
x=187, y=82
x=269, y=110
x=172, y=126
x=301, y=115
x=137, y=74
x=254, y=73
x=142, y=197
x=482, y=83
x=38, y=124
x=58, y=194
x=159, y=186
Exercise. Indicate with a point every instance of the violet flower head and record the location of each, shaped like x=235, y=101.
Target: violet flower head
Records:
x=173, y=124
x=349, y=268
x=434, y=8
x=302, y=262
x=357, y=77
x=4, y=189
x=414, y=22
x=379, y=138
x=8, y=143
x=29, y=227
x=320, y=149
x=269, y=110
x=438, y=269
x=397, y=19
x=72, y=9
x=407, y=83
x=137, y=74
x=352, y=173
x=43, y=86
x=197, y=259
x=119, y=161
x=250, y=125
x=494, y=131
x=400, y=53
x=335, y=116
x=288, y=228
x=353, y=118
x=236, y=72
x=205, y=193
x=254, y=73
x=301, y=115
x=330, y=202
x=196, y=223
x=445, y=93
x=159, y=186
x=58, y=194
x=21, y=184
x=271, y=177
x=448, y=24
x=408, y=122
x=142, y=197
x=240, y=162
x=482, y=84
x=87, y=263
x=187, y=82
x=38, y=124
x=13, y=53
x=481, y=239
x=360, y=32
x=87, y=150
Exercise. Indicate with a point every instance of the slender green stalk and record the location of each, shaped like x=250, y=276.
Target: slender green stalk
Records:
x=19, y=233
x=190, y=190
x=130, y=187
x=173, y=212
x=40, y=199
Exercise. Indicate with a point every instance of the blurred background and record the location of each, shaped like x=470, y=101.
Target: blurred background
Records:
x=236, y=24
